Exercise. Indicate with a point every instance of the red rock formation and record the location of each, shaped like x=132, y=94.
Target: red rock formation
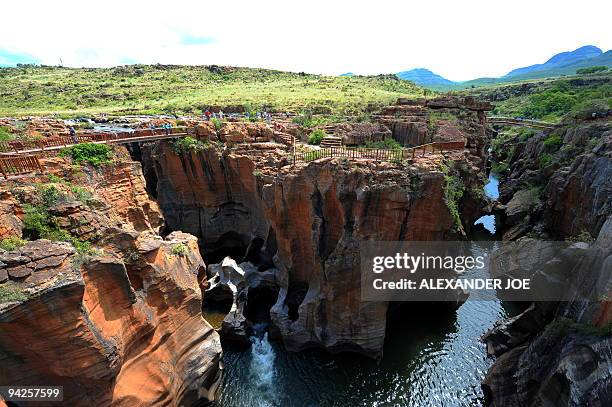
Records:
x=123, y=328
x=311, y=218
x=122, y=334
x=10, y=215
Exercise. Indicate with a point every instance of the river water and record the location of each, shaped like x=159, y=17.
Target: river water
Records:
x=428, y=361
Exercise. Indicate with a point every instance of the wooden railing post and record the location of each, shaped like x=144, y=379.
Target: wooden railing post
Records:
x=2, y=169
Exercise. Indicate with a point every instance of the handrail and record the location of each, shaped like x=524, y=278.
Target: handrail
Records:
x=17, y=165
x=378, y=154
x=59, y=142
x=520, y=122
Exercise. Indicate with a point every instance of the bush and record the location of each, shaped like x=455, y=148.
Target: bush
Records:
x=500, y=168
x=316, y=136
x=591, y=69
x=217, y=123
x=50, y=195
x=553, y=141
x=545, y=160
x=94, y=154
x=179, y=249
x=525, y=133
x=11, y=243
x=453, y=192
x=189, y=144
x=549, y=102
x=39, y=224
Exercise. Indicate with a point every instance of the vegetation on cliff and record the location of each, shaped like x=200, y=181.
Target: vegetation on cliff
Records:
x=40, y=223
x=149, y=89
x=552, y=99
x=94, y=154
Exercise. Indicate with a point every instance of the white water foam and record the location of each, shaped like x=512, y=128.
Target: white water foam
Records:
x=262, y=371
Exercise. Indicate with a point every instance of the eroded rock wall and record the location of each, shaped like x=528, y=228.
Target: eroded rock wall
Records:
x=118, y=325
x=310, y=220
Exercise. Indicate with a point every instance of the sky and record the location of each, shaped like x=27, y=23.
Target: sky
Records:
x=459, y=40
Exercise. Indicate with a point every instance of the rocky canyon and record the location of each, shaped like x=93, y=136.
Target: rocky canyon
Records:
x=109, y=271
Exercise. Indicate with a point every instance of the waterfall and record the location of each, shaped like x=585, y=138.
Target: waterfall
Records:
x=262, y=371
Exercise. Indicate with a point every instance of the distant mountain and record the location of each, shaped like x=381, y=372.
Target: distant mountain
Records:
x=348, y=74
x=424, y=77
x=559, y=60
x=564, y=63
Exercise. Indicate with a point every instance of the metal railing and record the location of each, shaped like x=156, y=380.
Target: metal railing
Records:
x=59, y=142
x=520, y=122
x=21, y=164
x=378, y=154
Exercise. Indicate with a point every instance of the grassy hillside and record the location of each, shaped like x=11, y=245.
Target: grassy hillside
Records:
x=144, y=89
x=550, y=99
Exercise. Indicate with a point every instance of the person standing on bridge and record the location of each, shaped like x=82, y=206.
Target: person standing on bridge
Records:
x=73, y=135
x=207, y=114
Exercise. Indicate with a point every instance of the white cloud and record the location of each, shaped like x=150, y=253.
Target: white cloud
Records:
x=457, y=39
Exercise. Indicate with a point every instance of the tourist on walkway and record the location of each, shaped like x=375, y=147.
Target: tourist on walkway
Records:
x=207, y=114
x=73, y=135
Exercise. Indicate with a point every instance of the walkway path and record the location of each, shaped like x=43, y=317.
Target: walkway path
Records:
x=520, y=122
x=379, y=154
x=13, y=148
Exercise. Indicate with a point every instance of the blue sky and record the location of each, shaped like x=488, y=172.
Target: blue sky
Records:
x=11, y=59
x=459, y=40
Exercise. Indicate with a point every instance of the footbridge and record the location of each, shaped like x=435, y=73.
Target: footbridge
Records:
x=511, y=121
x=27, y=147
x=22, y=157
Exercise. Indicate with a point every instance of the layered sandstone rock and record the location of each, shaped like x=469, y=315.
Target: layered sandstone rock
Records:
x=418, y=121
x=116, y=333
x=118, y=326
x=306, y=221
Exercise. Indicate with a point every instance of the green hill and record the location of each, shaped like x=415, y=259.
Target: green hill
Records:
x=150, y=89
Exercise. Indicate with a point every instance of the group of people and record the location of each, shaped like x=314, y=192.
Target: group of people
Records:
x=166, y=126
x=208, y=115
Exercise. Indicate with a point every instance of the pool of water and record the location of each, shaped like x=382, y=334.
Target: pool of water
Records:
x=491, y=190
x=429, y=360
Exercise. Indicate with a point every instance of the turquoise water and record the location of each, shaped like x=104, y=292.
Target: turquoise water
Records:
x=491, y=190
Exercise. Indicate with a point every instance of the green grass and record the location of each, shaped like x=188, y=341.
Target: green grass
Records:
x=11, y=243
x=5, y=134
x=12, y=294
x=189, y=144
x=148, y=89
x=592, y=69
